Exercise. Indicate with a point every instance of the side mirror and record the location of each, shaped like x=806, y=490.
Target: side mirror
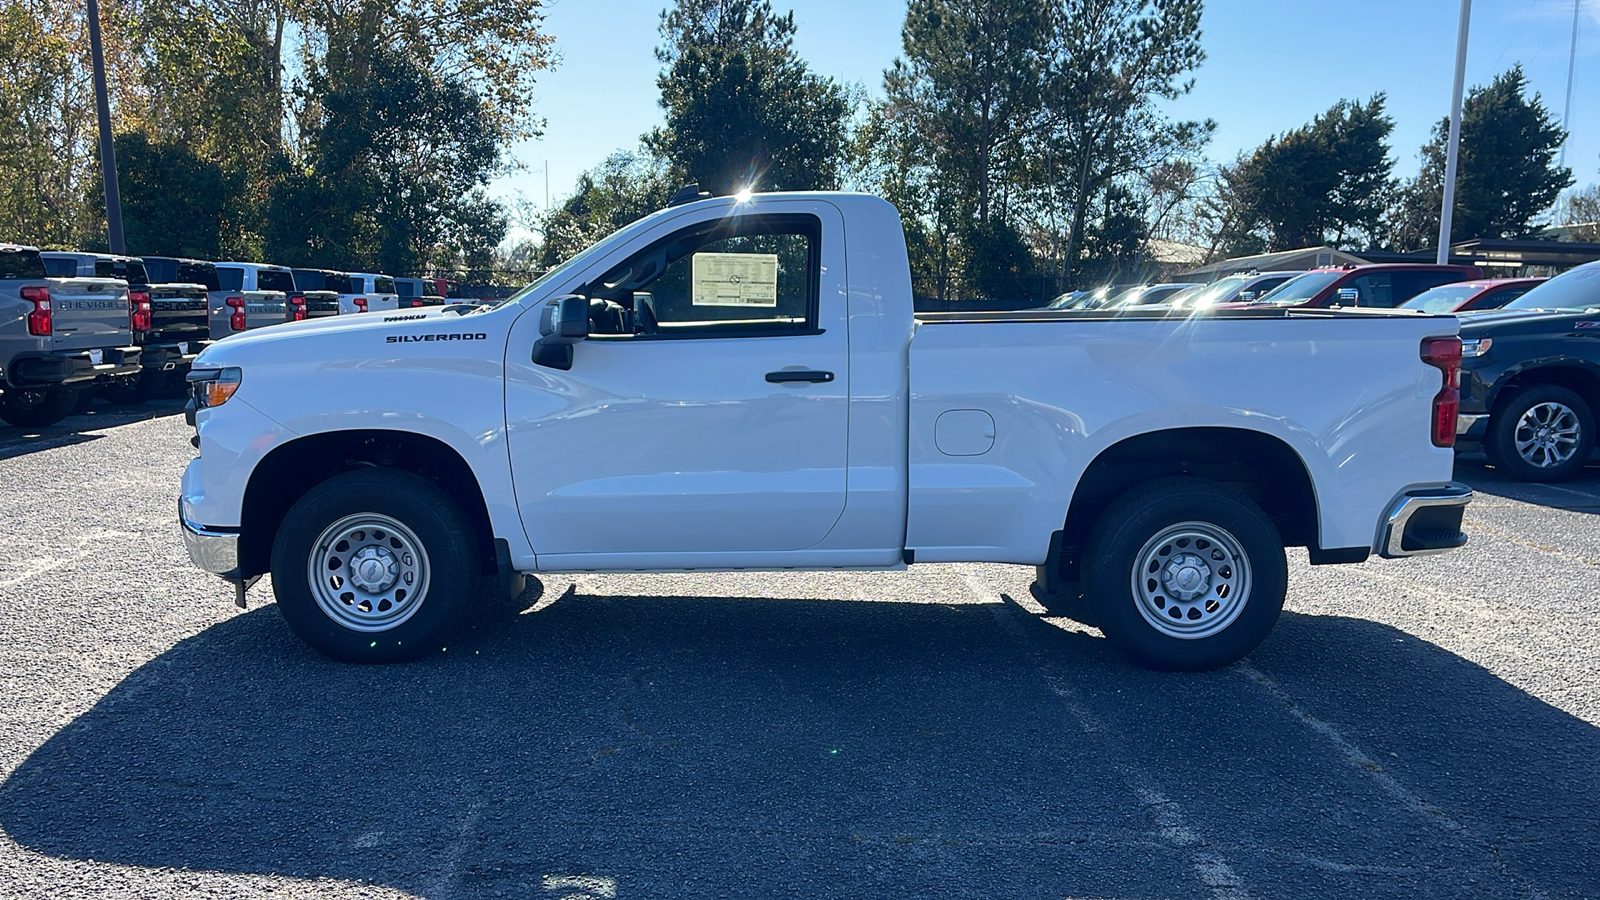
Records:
x=564, y=321
x=1347, y=296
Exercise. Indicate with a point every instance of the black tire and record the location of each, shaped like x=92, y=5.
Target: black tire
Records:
x=37, y=408
x=1060, y=597
x=1248, y=598
x=130, y=390
x=85, y=400
x=450, y=573
x=1500, y=444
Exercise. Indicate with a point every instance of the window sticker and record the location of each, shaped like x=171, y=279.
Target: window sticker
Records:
x=735, y=279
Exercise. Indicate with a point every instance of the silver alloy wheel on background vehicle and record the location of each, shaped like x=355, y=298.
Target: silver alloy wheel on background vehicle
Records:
x=1191, y=580
x=368, y=572
x=1547, y=434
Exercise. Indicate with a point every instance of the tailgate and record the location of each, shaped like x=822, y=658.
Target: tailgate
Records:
x=178, y=313
x=89, y=313
x=321, y=303
x=263, y=308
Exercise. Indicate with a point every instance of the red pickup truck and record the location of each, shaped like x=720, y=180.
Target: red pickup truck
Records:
x=1382, y=286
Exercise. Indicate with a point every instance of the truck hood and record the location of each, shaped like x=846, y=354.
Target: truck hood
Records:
x=1492, y=321
x=275, y=341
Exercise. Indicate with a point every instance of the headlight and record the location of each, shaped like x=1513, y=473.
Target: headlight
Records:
x=212, y=387
x=1471, y=347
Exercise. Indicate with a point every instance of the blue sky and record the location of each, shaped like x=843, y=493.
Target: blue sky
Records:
x=1271, y=66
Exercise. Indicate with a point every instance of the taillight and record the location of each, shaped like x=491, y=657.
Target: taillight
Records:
x=39, y=321
x=1444, y=354
x=361, y=304
x=297, y=308
x=236, y=321
x=139, y=310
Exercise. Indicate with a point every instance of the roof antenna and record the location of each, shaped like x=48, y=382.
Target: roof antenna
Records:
x=687, y=194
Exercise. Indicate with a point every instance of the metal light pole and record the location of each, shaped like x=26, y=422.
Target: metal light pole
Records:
x=108, y=156
x=1572, y=62
x=1453, y=149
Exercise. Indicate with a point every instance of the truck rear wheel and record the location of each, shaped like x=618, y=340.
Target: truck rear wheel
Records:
x=37, y=407
x=1544, y=433
x=375, y=566
x=1183, y=574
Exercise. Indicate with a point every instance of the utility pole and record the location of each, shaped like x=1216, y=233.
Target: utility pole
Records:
x=108, y=155
x=1572, y=60
x=1453, y=150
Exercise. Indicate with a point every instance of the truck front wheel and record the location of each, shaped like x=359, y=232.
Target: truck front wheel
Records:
x=1183, y=574
x=374, y=566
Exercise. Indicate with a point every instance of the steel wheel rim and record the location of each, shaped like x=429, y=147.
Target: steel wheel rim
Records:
x=1547, y=434
x=1191, y=580
x=368, y=572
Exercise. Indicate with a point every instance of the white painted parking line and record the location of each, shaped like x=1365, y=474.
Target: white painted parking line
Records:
x=1170, y=826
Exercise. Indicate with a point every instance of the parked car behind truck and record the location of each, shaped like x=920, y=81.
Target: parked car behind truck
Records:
x=252, y=295
x=321, y=289
x=1530, y=378
x=177, y=329
x=372, y=293
x=58, y=336
x=732, y=384
x=1383, y=286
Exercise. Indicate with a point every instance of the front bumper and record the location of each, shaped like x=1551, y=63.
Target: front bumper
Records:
x=212, y=550
x=71, y=367
x=1425, y=520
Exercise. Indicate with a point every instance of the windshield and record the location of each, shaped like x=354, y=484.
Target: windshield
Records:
x=383, y=284
x=577, y=261
x=1578, y=289
x=1211, y=293
x=1441, y=299
x=1300, y=288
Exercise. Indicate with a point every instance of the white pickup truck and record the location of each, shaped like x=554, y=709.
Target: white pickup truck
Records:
x=742, y=384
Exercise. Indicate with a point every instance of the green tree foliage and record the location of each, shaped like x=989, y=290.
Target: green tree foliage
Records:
x=176, y=202
x=371, y=145
x=970, y=82
x=49, y=158
x=1113, y=63
x=1042, y=115
x=628, y=186
x=396, y=160
x=742, y=109
x=1322, y=183
x=1506, y=175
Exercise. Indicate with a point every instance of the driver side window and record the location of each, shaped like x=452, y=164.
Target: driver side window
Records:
x=746, y=276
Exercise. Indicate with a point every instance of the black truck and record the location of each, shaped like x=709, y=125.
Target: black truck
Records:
x=1530, y=379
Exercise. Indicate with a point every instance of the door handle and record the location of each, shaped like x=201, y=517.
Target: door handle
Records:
x=785, y=376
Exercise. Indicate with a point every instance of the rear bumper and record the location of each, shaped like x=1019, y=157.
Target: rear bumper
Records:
x=1425, y=520
x=73, y=367
x=163, y=356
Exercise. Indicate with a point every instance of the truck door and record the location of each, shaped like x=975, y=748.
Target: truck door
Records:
x=707, y=411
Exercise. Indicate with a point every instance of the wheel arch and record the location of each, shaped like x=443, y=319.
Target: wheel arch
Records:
x=291, y=469
x=1262, y=466
x=1578, y=376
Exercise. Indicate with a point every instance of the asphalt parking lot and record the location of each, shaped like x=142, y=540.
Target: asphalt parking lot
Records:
x=1421, y=728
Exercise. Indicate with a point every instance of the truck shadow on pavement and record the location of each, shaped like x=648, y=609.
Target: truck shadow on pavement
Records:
x=667, y=747
x=1579, y=494
x=16, y=442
